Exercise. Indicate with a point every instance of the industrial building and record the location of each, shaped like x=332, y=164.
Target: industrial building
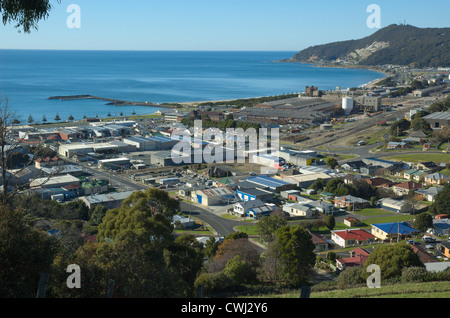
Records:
x=271, y=184
x=81, y=149
x=214, y=196
x=150, y=143
x=110, y=200
x=367, y=103
x=114, y=163
x=438, y=120
x=55, y=182
x=303, y=110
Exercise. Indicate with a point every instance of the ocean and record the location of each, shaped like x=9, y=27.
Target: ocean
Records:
x=29, y=77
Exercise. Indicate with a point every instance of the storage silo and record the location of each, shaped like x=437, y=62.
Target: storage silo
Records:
x=347, y=105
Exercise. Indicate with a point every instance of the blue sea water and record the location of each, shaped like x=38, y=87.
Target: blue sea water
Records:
x=29, y=77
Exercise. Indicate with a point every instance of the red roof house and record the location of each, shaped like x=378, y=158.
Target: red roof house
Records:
x=358, y=257
x=351, y=237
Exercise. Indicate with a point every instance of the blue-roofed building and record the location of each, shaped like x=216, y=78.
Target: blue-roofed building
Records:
x=271, y=184
x=384, y=231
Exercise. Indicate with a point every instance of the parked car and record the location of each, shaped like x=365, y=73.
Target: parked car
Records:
x=412, y=242
x=428, y=239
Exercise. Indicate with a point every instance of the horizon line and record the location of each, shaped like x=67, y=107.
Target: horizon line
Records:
x=144, y=50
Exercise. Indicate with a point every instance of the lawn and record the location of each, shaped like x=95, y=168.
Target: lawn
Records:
x=417, y=157
x=373, y=212
x=408, y=290
x=389, y=219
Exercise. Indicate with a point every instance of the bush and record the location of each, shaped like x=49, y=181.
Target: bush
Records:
x=213, y=282
x=350, y=277
x=414, y=274
x=240, y=271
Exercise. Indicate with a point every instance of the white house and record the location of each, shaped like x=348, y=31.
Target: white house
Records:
x=296, y=209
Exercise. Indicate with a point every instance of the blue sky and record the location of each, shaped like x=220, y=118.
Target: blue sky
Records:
x=247, y=25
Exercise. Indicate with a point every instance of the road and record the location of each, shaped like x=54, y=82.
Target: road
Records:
x=221, y=226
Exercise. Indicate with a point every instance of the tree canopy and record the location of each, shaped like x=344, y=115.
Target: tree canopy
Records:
x=26, y=14
x=146, y=214
x=392, y=259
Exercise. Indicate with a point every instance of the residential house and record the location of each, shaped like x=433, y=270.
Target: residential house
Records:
x=298, y=210
x=351, y=178
x=353, y=165
x=379, y=182
x=181, y=222
x=407, y=174
x=420, y=175
x=369, y=170
x=320, y=243
x=427, y=165
x=350, y=237
x=396, y=145
x=323, y=206
x=225, y=182
x=427, y=194
x=441, y=226
x=436, y=178
x=253, y=208
x=419, y=135
x=352, y=201
x=444, y=248
x=358, y=257
x=398, y=206
x=393, y=230
x=424, y=257
x=47, y=162
x=351, y=221
x=405, y=188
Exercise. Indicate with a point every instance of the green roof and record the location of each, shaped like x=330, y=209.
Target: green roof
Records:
x=93, y=183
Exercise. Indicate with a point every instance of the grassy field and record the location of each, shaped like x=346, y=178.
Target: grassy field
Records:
x=417, y=157
x=410, y=290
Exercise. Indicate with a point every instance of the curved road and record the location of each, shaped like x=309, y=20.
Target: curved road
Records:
x=222, y=226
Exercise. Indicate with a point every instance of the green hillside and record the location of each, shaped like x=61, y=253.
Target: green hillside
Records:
x=394, y=44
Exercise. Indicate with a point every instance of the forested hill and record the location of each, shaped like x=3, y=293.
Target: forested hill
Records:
x=394, y=44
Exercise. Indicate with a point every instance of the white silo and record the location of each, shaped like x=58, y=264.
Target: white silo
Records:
x=347, y=105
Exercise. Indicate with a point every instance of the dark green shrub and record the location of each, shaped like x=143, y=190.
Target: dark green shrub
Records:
x=350, y=277
x=213, y=282
x=415, y=274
